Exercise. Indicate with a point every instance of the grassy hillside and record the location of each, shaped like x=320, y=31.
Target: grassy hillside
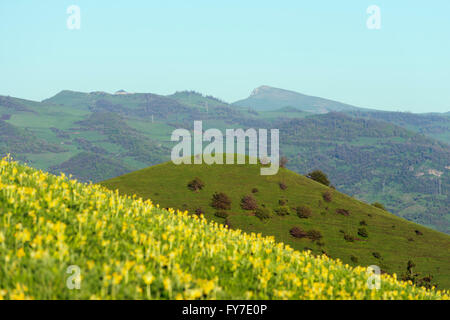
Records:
x=368, y=159
x=390, y=244
x=123, y=248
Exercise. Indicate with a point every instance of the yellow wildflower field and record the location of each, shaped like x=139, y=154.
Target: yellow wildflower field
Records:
x=61, y=239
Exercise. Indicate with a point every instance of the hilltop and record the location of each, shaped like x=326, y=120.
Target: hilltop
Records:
x=266, y=98
x=57, y=234
x=390, y=243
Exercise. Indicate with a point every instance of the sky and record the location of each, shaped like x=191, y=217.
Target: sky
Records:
x=228, y=48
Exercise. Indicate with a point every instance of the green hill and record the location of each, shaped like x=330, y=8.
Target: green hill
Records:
x=369, y=159
x=390, y=244
x=436, y=125
x=266, y=98
x=374, y=161
x=57, y=235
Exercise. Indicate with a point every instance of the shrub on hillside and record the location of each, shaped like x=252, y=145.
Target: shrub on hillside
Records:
x=283, y=162
x=327, y=196
x=296, y=232
x=354, y=259
x=263, y=213
x=282, y=202
x=418, y=233
x=282, y=211
x=415, y=277
x=349, y=238
x=376, y=255
x=363, y=223
x=363, y=232
x=249, y=203
x=319, y=176
x=344, y=212
x=379, y=206
x=221, y=201
x=196, y=185
x=255, y=190
x=303, y=212
x=221, y=214
x=314, y=235
x=199, y=211
x=283, y=186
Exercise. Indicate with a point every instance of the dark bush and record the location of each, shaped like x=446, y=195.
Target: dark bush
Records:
x=221, y=201
x=249, y=203
x=320, y=244
x=221, y=214
x=283, y=162
x=283, y=186
x=319, y=176
x=363, y=223
x=199, y=211
x=314, y=235
x=354, y=259
x=282, y=211
x=303, y=212
x=379, y=206
x=297, y=233
x=282, y=202
x=255, y=190
x=344, y=212
x=263, y=213
x=327, y=196
x=349, y=238
x=376, y=255
x=363, y=232
x=418, y=233
x=196, y=184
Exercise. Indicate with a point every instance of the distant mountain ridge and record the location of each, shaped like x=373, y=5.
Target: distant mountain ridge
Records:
x=266, y=98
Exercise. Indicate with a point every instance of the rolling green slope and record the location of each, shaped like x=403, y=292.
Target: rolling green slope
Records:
x=390, y=244
x=125, y=248
x=369, y=159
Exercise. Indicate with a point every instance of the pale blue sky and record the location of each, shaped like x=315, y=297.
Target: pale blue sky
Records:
x=227, y=48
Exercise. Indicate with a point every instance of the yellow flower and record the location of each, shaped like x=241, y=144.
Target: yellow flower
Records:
x=117, y=278
x=90, y=264
x=148, y=278
x=20, y=253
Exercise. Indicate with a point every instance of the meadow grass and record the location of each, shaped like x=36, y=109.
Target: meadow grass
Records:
x=128, y=248
x=393, y=237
